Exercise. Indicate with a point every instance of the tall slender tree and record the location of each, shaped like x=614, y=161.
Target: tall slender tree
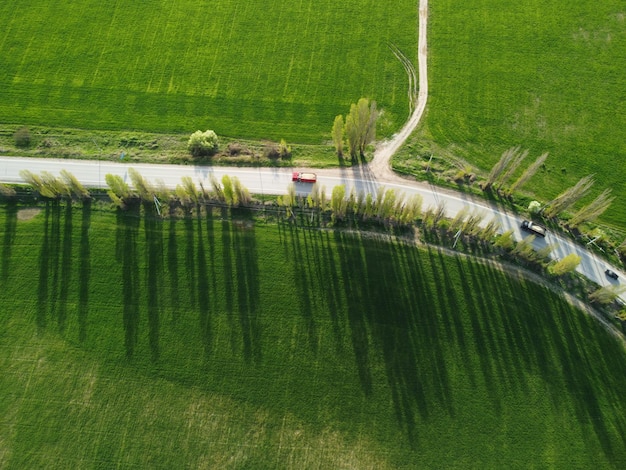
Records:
x=337, y=133
x=529, y=172
x=569, y=197
x=593, y=210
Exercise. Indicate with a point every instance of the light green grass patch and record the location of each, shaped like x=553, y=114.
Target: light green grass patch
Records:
x=543, y=75
x=265, y=69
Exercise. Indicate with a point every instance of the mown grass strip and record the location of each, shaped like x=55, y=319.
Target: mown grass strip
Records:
x=266, y=70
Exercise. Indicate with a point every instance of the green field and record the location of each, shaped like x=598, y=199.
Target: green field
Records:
x=210, y=342
x=542, y=74
x=266, y=69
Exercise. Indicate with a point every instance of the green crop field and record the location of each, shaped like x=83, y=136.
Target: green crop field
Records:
x=256, y=69
x=545, y=75
x=210, y=342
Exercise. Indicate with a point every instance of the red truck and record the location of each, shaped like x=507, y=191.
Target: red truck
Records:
x=300, y=177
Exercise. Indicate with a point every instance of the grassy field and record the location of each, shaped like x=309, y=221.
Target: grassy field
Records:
x=233, y=343
x=267, y=69
x=540, y=74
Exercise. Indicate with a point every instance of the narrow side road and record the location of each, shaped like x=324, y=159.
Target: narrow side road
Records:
x=380, y=166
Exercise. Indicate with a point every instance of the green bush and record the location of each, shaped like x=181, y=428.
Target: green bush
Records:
x=22, y=137
x=202, y=144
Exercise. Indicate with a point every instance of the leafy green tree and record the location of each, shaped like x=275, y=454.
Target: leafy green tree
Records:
x=55, y=185
x=515, y=162
x=145, y=189
x=565, y=265
x=337, y=134
x=119, y=192
x=203, y=144
x=490, y=230
x=242, y=195
x=229, y=191
x=190, y=189
x=543, y=254
x=457, y=222
x=217, y=190
x=75, y=186
x=385, y=210
x=607, y=294
x=338, y=202
x=505, y=241
x=38, y=184
x=22, y=137
x=360, y=127
x=413, y=208
x=534, y=207
x=472, y=224
x=369, y=206
x=284, y=150
x=524, y=248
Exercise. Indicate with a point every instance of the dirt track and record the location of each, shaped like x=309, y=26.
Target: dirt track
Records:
x=380, y=166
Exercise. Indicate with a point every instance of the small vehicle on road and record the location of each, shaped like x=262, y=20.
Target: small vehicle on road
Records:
x=300, y=177
x=611, y=274
x=534, y=228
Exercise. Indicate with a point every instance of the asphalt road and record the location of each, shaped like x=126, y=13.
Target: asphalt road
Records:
x=276, y=180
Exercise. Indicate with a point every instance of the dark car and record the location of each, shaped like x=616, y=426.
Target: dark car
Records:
x=611, y=274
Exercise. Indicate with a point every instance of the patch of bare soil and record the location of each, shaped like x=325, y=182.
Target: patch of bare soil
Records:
x=27, y=214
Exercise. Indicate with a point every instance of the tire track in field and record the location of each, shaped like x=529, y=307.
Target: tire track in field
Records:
x=380, y=166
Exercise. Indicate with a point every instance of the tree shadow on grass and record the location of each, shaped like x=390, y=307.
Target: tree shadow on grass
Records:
x=54, y=254
x=248, y=288
x=10, y=225
x=172, y=265
x=210, y=237
x=428, y=327
x=475, y=304
x=302, y=262
x=228, y=277
x=547, y=340
x=354, y=273
x=153, y=228
x=408, y=335
x=84, y=271
x=66, y=266
x=329, y=282
x=44, y=271
x=190, y=257
x=206, y=327
x=128, y=222
x=510, y=335
x=585, y=376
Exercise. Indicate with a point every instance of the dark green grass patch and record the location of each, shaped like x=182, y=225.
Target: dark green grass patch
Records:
x=547, y=76
x=217, y=341
x=265, y=69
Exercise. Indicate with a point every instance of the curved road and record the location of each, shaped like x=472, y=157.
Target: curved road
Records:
x=366, y=178
x=276, y=181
